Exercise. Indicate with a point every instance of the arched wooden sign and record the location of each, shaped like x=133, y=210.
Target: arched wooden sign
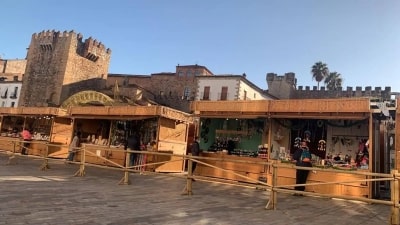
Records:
x=85, y=97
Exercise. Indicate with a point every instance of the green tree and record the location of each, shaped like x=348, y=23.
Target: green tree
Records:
x=333, y=81
x=319, y=71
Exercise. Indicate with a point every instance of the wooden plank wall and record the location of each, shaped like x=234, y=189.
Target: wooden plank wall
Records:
x=171, y=139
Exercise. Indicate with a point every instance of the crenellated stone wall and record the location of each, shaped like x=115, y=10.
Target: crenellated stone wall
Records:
x=349, y=92
x=284, y=87
x=60, y=64
x=281, y=87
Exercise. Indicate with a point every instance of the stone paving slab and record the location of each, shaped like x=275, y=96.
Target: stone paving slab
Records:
x=54, y=196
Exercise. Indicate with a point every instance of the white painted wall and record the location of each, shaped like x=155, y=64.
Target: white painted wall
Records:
x=216, y=87
x=10, y=87
x=236, y=88
x=252, y=94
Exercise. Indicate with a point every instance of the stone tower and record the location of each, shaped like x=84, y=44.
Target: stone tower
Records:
x=60, y=64
x=282, y=87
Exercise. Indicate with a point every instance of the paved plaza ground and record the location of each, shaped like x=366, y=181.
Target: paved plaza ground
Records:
x=29, y=195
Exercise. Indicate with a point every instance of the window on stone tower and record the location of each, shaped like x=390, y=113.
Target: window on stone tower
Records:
x=245, y=95
x=186, y=93
x=12, y=104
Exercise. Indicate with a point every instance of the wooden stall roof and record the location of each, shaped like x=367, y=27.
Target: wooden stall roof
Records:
x=348, y=108
x=128, y=112
x=31, y=111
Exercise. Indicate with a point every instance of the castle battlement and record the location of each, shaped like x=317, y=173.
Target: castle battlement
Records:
x=349, y=92
x=91, y=46
x=284, y=87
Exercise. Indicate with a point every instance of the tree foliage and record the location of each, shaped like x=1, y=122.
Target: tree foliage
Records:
x=319, y=71
x=333, y=81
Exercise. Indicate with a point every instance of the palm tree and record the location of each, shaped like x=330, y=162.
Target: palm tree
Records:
x=333, y=81
x=319, y=71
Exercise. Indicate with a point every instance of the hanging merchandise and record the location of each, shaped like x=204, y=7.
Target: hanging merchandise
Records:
x=307, y=136
x=321, y=145
x=297, y=141
x=322, y=142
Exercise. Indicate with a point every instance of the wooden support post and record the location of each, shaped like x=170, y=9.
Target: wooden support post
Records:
x=45, y=164
x=81, y=171
x=125, y=179
x=188, y=188
x=274, y=194
x=394, y=185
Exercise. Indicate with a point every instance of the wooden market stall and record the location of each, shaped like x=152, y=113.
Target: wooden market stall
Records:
x=39, y=120
x=107, y=127
x=335, y=121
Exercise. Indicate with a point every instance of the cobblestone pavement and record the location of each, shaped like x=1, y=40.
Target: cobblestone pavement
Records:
x=29, y=195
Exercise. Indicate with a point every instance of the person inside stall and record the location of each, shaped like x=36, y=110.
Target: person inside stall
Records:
x=231, y=146
x=302, y=156
x=73, y=147
x=26, y=137
x=195, y=150
x=133, y=144
x=362, y=154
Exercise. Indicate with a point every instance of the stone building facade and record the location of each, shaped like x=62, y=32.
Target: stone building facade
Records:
x=172, y=89
x=12, y=69
x=60, y=64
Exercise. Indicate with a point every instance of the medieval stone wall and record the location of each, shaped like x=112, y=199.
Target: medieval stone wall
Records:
x=172, y=89
x=12, y=70
x=12, y=66
x=281, y=87
x=284, y=87
x=166, y=88
x=377, y=92
x=60, y=64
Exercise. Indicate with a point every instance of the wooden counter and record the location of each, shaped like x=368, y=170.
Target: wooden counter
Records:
x=253, y=171
x=287, y=176
x=10, y=144
x=95, y=152
x=36, y=147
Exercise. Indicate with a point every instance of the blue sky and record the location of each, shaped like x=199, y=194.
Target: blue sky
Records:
x=360, y=39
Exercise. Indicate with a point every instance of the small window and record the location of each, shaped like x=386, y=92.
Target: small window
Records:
x=15, y=93
x=186, y=92
x=3, y=103
x=12, y=104
x=189, y=73
x=206, y=93
x=245, y=95
x=224, y=93
x=180, y=73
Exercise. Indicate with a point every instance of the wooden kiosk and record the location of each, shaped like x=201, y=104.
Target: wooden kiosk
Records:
x=39, y=120
x=332, y=120
x=107, y=127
